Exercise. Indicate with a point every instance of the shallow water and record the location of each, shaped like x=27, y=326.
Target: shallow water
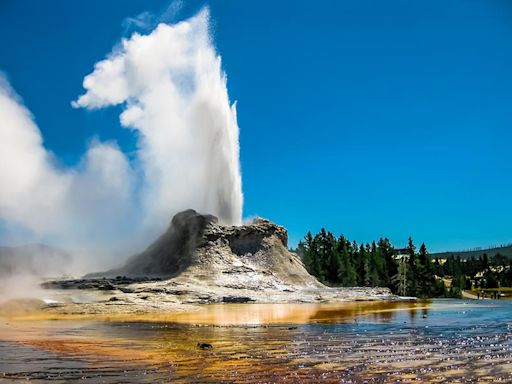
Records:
x=441, y=341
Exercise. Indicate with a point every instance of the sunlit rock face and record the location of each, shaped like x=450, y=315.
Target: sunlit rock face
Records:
x=246, y=239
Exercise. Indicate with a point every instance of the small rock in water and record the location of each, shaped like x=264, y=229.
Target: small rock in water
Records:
x=204, y=346
x=236, y=299
x=106, y=287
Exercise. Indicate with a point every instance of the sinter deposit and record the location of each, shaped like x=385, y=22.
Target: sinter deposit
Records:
x=197, y=261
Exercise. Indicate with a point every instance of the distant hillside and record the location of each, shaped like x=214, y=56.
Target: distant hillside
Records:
x=505, y=250
x=33, y=259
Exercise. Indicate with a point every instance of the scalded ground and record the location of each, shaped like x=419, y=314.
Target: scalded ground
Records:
x=198, y=261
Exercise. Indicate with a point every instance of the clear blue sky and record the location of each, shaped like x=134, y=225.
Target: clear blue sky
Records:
x=369, y=118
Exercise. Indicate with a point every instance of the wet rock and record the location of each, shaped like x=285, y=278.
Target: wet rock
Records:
x=204, y=346
x=156, y=290
x=118, y=282
x=106, y=287
x=236, y=299
x=178, y=292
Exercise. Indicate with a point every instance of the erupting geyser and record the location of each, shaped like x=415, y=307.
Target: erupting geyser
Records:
x=173, y=93
x=176, y=98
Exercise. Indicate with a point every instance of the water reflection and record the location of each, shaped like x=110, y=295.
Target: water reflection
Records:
x=442, y=341
x=250, y=314
x=376, y=311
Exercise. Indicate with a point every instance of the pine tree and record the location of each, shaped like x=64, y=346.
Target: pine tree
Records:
x=375, y=265
x=363, y=267
x=316, y=264
x=334, y=260
x=412, y=268
x=425, y=275
x=390, y=266
x=305, y=251
x=347, y=275
x=401, y=278
x=438, y=268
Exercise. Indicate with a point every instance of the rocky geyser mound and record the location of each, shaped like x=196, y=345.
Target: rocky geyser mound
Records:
x=197, y=260
x=196, y=247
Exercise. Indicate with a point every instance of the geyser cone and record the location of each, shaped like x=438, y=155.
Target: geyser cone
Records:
x=196, y=247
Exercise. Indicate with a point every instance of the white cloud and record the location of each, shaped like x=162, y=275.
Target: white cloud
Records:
x=68, y=204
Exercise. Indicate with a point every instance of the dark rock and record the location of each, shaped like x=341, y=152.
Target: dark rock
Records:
x=156, y=290
x=178, y=292
x=204, y=346
x=96, y=283
x=236, y=299
x=106, y=287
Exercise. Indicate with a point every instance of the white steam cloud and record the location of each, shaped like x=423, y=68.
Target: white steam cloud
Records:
x=174, y=97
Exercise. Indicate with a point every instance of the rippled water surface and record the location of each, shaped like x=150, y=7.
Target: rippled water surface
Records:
x=441, y=341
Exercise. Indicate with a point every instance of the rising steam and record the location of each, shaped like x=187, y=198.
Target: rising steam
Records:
x=174, y=97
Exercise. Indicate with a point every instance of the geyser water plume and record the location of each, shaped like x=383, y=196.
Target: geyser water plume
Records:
x=174, y=97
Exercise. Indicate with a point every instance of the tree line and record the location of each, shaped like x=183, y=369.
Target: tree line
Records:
x=337, y=261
